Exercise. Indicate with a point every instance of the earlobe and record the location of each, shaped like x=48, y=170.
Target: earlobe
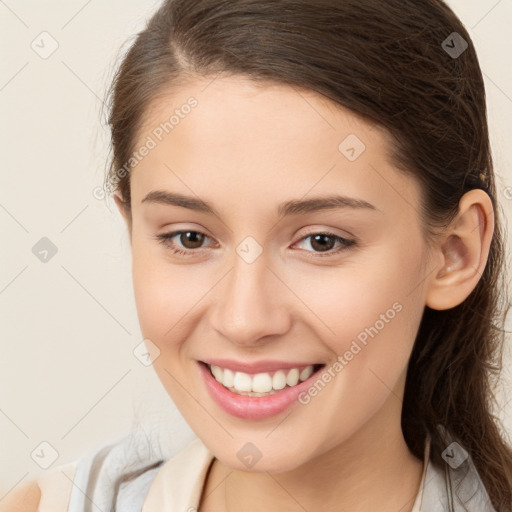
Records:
x=463, y=252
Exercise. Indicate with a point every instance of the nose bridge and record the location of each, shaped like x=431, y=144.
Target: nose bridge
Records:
x=250, y=304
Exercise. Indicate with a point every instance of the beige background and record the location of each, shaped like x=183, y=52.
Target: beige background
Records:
x=68, y=376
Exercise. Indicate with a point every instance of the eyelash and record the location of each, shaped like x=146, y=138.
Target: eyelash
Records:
x=165, y=237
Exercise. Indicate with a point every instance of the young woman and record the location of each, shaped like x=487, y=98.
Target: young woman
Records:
x=318, y=261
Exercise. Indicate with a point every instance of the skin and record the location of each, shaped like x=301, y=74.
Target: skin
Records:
x=24, y=498
x=247, y=148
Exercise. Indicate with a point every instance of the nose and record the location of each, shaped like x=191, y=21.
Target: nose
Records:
x=251, y=304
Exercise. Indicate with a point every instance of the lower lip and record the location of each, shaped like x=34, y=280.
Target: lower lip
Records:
x=252, y=407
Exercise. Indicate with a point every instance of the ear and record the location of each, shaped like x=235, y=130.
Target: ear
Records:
x=462, y=252
x=125, y=211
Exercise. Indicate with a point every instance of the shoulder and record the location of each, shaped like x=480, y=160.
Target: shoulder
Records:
x=52, y=490
x=49, y=491
x=23, y=498
x=452, y=482
x=119, y=471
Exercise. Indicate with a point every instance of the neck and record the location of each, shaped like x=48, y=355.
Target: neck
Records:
x=372, y=470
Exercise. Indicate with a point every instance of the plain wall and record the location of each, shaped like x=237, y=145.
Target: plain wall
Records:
x=69, y=326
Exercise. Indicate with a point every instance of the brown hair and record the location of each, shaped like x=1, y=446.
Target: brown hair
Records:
x=389, y=63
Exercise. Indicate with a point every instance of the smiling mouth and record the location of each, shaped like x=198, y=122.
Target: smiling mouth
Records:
x=263, y=383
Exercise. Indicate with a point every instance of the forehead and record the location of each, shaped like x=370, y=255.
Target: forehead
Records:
x=239, y=104
x=263, y=142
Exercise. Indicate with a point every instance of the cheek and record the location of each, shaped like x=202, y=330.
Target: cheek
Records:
x=167, y=295
x=368, y=313
x=369, y=320
x=159, y=292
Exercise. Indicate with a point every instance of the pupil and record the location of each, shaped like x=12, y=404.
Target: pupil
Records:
x=322, y=247
x=193, y=234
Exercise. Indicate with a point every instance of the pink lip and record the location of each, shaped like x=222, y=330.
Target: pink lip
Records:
x=256, y=367
x=251, y=407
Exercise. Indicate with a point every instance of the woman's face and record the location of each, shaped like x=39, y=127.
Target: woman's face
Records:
x=256, y=284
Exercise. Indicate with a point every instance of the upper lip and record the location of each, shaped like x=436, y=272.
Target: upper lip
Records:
x=257, y=366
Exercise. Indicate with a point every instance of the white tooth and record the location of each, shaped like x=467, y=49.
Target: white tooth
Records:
x=229, y=378
x=279, y=380
x=242, y=381
x=306, y=373
x=293, y=377
x=261, y=383
x=217, y=373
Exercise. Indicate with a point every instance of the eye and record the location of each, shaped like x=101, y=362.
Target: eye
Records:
x=325, y=241
x=192, y=241
x=194, y=238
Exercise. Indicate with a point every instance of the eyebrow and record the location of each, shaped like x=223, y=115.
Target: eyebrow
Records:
x=292, y=207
